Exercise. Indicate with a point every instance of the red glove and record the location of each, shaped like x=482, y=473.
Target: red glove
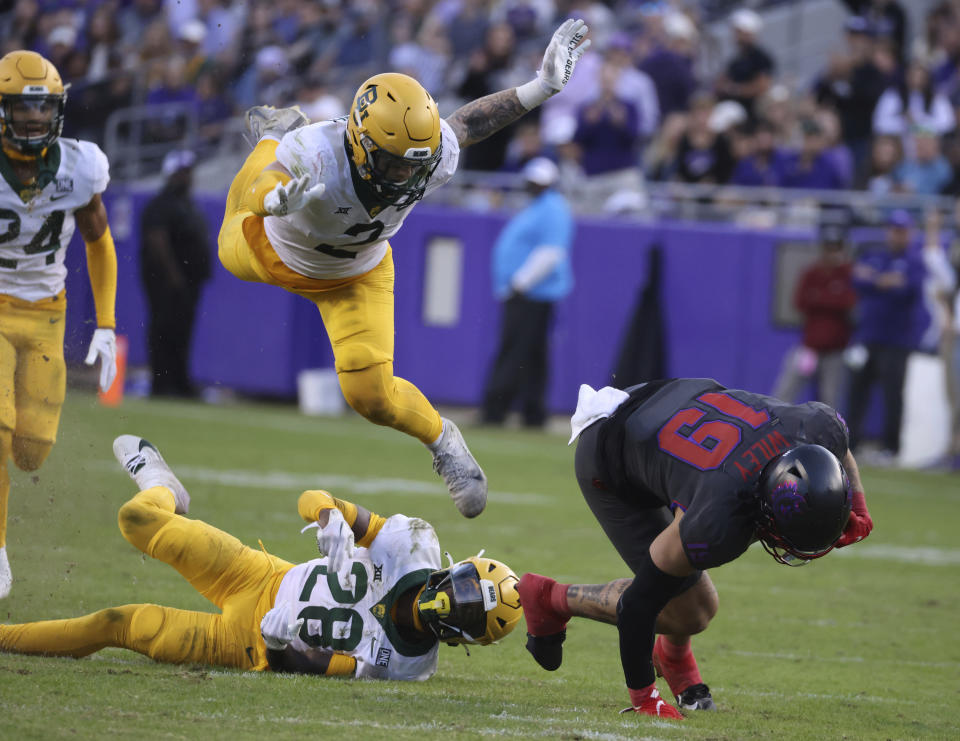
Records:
x=648, y=702
x=860, y=523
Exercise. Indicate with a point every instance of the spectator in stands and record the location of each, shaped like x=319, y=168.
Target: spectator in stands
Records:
x=750, y=73
x=174, y=265
x=214, y=108
x=825, y=297
x=134, y=19
x=811, y=167
x=190, y=38
x=487, y=72
x=318, y=101
x=886, y=154
x=425, y=58
x=913, y=103
x=268, y=80
x=924, y=171
x=362, y=44
x=703, y=155
x=313, y=51
x=608, y=128
x=887, y=17
x=852, y=84
x=670, y=64
x=174, y=88
x=764, y=166
x=660, y=160
x=531, y=272
x=21, y=25
x=524, y=146
x=889, y=285
x=103, y=36
x=835, y=150
x=632, y=84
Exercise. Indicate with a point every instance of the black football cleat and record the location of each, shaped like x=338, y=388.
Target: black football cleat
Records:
x=548, y=650
x=697, y=697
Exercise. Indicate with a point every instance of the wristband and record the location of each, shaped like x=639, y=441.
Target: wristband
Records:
x=859, y=504
x=533, y=93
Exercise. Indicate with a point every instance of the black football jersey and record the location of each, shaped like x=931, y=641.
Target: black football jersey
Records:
x=694, y=444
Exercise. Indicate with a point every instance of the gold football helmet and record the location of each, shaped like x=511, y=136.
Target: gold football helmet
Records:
x=32, y=100
x=473, y=601
x=394, y=135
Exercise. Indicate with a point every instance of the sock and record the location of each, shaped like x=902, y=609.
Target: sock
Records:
x=678, y=664
x=558, y=600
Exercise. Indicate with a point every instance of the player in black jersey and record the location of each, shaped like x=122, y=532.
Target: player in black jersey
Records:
x=683, y=475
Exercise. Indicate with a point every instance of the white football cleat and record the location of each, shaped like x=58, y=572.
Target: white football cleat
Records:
x=146, y=466
x=6, y=577
x=460, y=471
x=265, y=120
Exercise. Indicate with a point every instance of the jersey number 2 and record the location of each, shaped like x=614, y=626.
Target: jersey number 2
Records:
x=706, y=445
x=47, y=238
x=374, y=228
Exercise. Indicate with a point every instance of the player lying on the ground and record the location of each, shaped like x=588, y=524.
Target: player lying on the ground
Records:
x=376, y=605
x=50, y=187
x=314, y=205
x=683, y=475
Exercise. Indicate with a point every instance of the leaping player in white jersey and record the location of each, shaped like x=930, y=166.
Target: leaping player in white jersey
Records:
x=314, y=205
x=376, y=604
x=48, y=186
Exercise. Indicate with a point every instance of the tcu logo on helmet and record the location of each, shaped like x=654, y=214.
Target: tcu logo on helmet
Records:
x=364, y=100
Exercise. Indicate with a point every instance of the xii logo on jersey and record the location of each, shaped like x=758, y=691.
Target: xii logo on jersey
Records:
x=378, y=572
x=383, y=656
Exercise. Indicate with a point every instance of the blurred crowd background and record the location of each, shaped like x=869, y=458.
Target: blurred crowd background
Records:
x=660, y=96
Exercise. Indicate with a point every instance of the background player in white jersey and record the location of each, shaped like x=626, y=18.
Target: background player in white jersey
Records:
x=376, y=604
x=48, y=186
x=314, y=205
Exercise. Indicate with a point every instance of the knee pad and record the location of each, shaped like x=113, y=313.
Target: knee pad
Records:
x=29, y=455
x=145, y=626
x=366, y=392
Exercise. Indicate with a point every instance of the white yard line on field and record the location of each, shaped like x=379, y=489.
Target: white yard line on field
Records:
x=923, y=555
x=846, y=660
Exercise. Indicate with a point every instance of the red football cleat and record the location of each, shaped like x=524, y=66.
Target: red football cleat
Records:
x=546, y=628
x=648, y=702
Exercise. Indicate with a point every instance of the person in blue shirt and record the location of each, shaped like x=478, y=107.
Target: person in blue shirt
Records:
x=889, y=285
x=531, y=273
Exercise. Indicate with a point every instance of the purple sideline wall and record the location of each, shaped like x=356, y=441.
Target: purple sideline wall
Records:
x=717, y=300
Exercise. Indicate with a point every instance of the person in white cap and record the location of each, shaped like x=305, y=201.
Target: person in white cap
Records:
x=175, y=256
x=531, y=273
x=750, y=73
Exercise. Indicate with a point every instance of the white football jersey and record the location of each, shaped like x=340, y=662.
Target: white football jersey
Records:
x=335, y=236
x=349, y=611
x=34, y=235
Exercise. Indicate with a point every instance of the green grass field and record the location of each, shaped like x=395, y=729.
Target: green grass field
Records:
x=862, y=645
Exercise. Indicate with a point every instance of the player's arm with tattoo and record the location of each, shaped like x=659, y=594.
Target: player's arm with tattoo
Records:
x=480, y=118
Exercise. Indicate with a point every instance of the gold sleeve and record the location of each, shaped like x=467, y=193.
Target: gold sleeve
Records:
x=102, y=269
x=264, y=183
x=313, y=502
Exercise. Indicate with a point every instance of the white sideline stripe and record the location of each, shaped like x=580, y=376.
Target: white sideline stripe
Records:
x=917, y=555
x=845, y=660
x=548, y=732
x=926, y=556
x=359, y=484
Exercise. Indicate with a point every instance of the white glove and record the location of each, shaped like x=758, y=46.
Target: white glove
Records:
x=293, y=196
x=336, y=541
x=563, y=53
x=104, y=346
x=277, y=629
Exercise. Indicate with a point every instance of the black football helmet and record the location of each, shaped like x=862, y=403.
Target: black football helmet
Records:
x=804, y=497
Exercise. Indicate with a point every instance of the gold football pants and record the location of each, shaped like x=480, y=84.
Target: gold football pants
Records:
x=241, y=581
x=33, y=382
x=357, y=313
